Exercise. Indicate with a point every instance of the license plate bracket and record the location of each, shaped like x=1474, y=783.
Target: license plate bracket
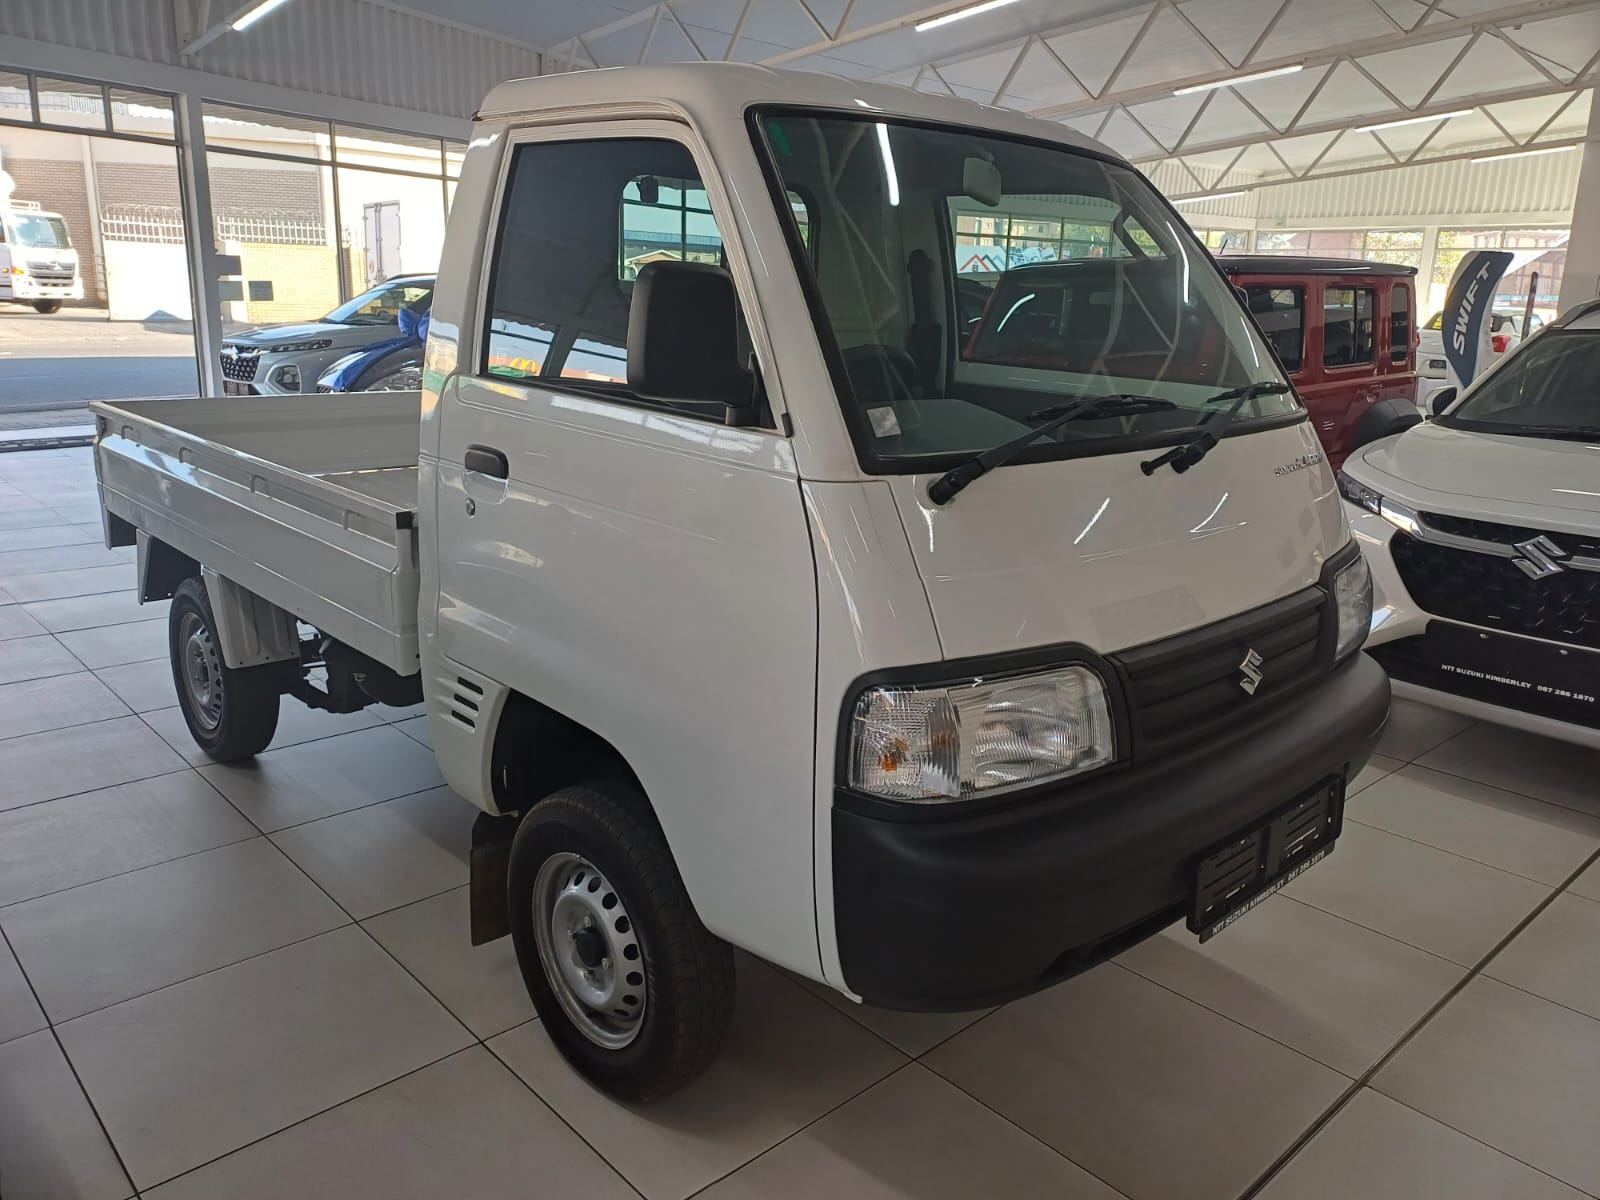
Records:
x=1242, y=872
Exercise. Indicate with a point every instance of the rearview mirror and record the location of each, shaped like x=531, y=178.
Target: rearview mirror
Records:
x=683, y=339
x=980, y=180
x=1384, y=419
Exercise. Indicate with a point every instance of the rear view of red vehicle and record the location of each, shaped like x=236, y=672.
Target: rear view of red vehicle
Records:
x=1345, y=331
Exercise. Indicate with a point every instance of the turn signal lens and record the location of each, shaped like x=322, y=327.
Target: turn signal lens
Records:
x=1352, y=594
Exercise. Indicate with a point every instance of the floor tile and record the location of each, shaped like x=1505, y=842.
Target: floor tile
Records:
x=92, y=612
x=48, y=535
x=94, y=946
x=910, y=1137
x=1114, y=1072
x=417, y=729
x=64, y=843
x=142, y=686
x=1376, y=1149
x=432, y=939
x=1489, y=825
x=263, y=1043
x=1332, y=990
x=56, y=702
x=1587, y=884
x=462, y=1127
x=317, y=779
x=1415, y=729
x=29, y=518
x=83, y=581
x=16, y=501
x=51, y=1147
x=118, y=643
x=1438, y=902
x=1523, y=762
x=16, y=623
x=19, y=1011
x=1557, y=956
x=35, y=658
x=296, y=723
x=1377, y=767
x=789, y=1059
x=42, y=766
x=59, y=558
x=385, y=855
x=1512, y=1070
x=913, y=1032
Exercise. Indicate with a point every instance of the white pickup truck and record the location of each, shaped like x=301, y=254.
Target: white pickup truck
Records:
x=758, y=602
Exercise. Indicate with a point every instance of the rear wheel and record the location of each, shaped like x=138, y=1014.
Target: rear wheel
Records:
x=231, y=712
x=47, y=306
x=635, y=992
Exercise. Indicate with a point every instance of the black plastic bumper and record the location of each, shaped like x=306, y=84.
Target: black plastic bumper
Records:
x=965, y=911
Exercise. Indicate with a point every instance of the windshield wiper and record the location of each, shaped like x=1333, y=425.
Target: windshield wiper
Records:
x=945, y=488
x=1181, y=458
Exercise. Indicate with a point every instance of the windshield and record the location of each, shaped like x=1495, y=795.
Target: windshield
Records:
x=971, y=281
x=382, y=305
x=1549, y=388
x=1498, y=323
x=27, y=229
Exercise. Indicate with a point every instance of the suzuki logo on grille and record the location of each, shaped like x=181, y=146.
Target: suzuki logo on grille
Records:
x=1250, y=675
x=1536, y=557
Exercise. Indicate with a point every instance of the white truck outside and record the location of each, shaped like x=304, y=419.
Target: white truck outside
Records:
x=752, y=605
x=38, y=264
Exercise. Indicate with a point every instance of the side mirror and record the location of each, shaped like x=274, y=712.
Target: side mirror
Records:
x=683, y=335
x=1383, y=419
x=1436, y=402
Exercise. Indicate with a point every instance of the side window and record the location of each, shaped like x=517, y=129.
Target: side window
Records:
x=1281, y=313
x=1399, y=324
x=578, y=222
x=1348, y=330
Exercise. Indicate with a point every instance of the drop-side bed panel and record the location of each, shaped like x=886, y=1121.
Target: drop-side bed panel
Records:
x=310, y=502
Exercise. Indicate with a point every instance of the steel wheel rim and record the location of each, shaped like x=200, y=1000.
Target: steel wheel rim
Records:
x=589, y=950
x=201, y=671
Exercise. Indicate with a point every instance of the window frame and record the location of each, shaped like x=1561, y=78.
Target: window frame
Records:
x=1300, y=293
x=642, y=128
x=1401, y=351
x=1369, y=363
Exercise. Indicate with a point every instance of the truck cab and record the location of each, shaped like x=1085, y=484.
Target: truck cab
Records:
x=752, y=602
x=38, y=265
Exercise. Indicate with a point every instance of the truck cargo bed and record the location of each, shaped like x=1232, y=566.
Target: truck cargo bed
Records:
x=309, y=502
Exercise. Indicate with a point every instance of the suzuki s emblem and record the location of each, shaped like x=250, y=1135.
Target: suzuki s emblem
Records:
x=1536, y=557
x=1250, y=673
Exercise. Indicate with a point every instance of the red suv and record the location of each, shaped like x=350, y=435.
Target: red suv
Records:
x=1345, y=330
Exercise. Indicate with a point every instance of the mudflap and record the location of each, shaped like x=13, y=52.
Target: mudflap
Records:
x=490, y=862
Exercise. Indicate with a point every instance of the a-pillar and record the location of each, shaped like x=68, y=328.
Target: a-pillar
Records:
x=1581, y=280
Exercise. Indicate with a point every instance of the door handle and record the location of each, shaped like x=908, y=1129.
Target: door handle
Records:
x=485, y=460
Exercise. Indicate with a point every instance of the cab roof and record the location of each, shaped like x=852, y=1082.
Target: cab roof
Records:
x=1288, y=264
x=708, y=93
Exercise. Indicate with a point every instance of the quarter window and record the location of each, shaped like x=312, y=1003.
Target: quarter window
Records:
x=1399, y=324
x=1348, y=329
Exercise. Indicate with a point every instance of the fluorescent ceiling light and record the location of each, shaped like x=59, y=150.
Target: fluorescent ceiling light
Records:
x=1444, y=116
x=241, y=23
x=961, y=14
x=1207, y=197
x=1216, y=83
x=1524, y=153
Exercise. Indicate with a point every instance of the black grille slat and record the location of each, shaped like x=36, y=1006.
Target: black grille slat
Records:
x=241, y=368
x=1183, y=688
x=1493, y=592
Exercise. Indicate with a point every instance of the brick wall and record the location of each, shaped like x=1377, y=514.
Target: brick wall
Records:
x=305, y=280
x=58, y=185
x=282, y=188
x=137, y=183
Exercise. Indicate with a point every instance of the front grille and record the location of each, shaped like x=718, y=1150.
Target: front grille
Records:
x=52, y=274
x=1182, y=688
x=323, y=388
x=239, y=366
x=1494, y=592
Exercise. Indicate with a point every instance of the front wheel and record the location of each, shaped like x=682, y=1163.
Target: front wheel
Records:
x=47, y=306
x=231, y=712
x=635, y=992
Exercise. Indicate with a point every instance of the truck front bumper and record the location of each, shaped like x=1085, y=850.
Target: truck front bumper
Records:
x=25, y=288
x=959, y=912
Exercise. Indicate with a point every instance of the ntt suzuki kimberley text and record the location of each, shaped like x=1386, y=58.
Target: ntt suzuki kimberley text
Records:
x=756, y=605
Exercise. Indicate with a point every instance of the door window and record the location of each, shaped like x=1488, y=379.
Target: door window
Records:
x=1399, y=324
x=579, y=220
x=1348, y=328
x=1281, y=313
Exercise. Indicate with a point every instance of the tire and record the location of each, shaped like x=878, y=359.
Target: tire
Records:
x=47, y=306
x=232, y=713
x=675, y=1009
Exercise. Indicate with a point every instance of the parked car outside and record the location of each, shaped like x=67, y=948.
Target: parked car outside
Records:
x=38, y=265
x=1505, y=331
x=1345, y=331
x=394, y=365
x=1482, y=529
x=286, y=359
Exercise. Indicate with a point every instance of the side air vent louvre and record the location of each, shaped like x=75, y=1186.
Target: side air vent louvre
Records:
x=464, y=703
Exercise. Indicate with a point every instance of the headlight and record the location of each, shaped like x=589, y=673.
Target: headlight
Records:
x=287, y=377
x=932, y=745
x=296, y=347
x=1373, y=501
x=1352, y=597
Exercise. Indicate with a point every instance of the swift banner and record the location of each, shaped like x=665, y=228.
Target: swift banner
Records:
x=1466, y=314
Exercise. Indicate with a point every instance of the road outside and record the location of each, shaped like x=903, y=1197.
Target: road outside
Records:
x=52, y=366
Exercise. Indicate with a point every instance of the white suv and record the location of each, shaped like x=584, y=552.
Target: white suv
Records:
x=1505, y=332
x=1482, y=528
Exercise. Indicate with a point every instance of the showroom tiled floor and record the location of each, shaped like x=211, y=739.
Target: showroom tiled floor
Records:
x=254, y=981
